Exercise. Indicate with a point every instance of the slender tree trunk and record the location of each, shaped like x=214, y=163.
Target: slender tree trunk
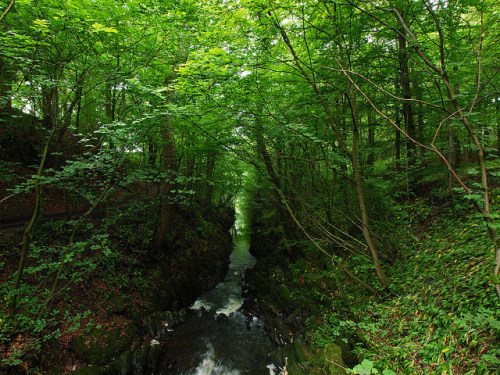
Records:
x=78, y=112
x=190, y=159
x=451, y=155
x=420, y=120
x=497, y=102
x=371, y=139
x=452, y=149
x=71, y=107
x=406, y=90
x=397, y=145
x=397, y=133
x=109, y=107
x=209, y=176
x=167, y=209
x=498, y=140
x=6, y=78
x=50, y=107
x=152, y=152
x=365, y=222
x=27, y=231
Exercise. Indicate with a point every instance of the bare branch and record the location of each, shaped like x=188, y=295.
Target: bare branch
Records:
x=7, y=10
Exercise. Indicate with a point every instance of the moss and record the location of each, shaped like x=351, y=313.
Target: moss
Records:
x=317, y=357
x=103, y=345
x=295, y=369
x=117, y=305
x=316, y=371
x=87, y=370
x=347, y=344
x=301, y=352
x=333, y=359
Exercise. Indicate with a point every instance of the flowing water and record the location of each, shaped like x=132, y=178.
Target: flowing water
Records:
x=220, y=339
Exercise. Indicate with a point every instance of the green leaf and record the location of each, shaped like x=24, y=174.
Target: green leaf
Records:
x=365, y=368
x=97, y=27
x=41, y=25
x=472, y=171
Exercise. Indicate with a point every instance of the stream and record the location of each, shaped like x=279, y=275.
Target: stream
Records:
x=219, y=338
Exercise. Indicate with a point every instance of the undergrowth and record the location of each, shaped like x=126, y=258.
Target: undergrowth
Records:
x=96, y=270
x=442, y=313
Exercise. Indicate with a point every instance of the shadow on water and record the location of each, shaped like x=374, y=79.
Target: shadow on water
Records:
x=219, y=338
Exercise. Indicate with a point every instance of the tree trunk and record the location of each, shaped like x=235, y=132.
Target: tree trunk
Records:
x=371, y=140
x=209, y=176
x=282, y=222
x=397, y=145
x=420, y=120
x=109, y=107
x=451, y=155
x=6, y=79
x=166, y=210
x=365, y=226
x=497, y=102
x=27, y=231
x=452, y=149
x=152, y=152
x=406, y=90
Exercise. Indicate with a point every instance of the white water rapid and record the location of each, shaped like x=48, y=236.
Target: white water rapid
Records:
x=219, y=339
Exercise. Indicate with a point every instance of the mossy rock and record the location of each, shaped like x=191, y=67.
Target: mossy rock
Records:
x=299, y=357
x=139, y=358
x=333, y=359
x=101, y=346
x=347, y=344
x=154, y=322
x=295, y=369
x=301, y=352
x=117, y=305
x=87, y=370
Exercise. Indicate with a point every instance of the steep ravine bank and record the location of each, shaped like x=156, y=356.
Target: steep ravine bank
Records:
x=199, y=343
x=200, y=250
x=284, y=308
x=217, y=336
x=106, y=320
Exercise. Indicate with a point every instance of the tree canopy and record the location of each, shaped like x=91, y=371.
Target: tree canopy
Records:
x=342, y=113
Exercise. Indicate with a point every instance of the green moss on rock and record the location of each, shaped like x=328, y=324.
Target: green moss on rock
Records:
x=117, y=305
x=101, y=346
x=333, y=359
x=87, y=370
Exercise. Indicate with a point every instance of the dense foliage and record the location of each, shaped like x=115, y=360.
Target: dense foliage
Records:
x=368, y=133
